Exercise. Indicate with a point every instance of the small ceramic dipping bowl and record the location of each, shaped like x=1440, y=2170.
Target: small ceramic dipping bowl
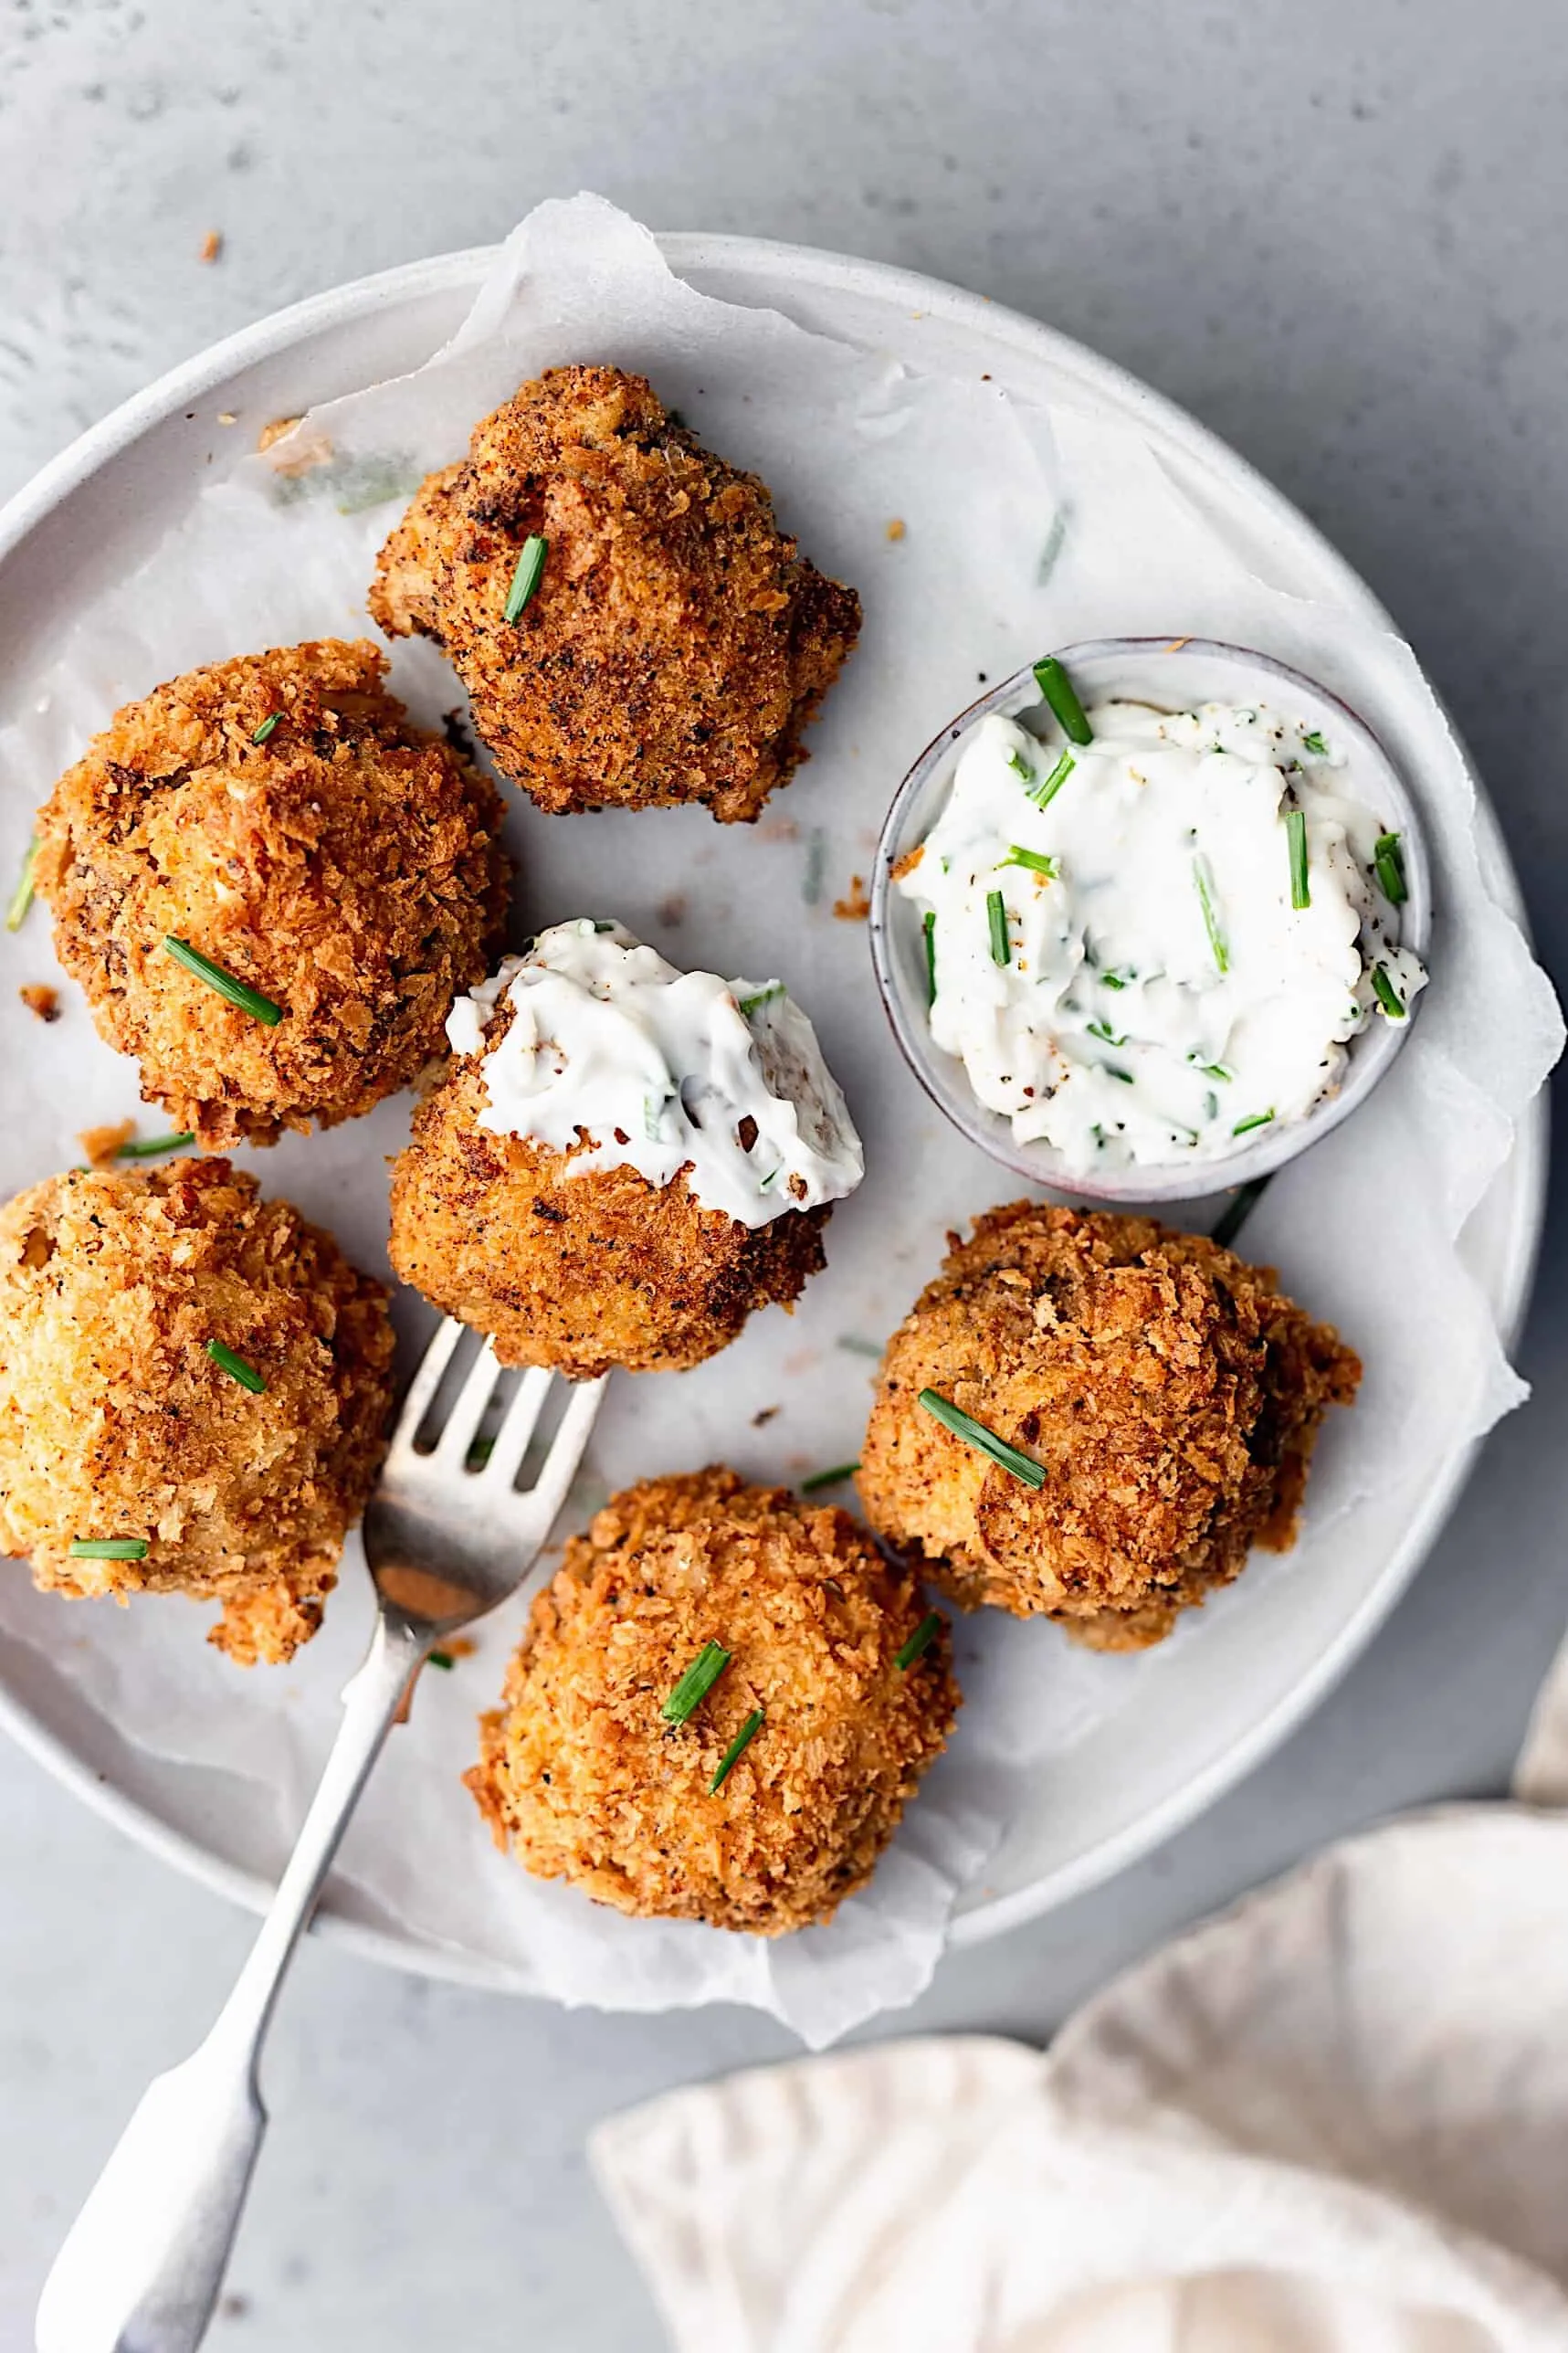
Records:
x=1168, y=674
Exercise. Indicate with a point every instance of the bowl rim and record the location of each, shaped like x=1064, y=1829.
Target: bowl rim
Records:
x=942, y=1075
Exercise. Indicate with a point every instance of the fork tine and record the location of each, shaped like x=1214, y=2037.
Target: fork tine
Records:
x=518, y=1425
x=425, y=1383
x=469, y=1411
x=565, y=1452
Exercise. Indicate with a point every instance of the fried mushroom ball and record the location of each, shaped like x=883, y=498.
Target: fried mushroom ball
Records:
x=120, y=1429
x=1170, y=1394
x=585, y=1779
x=579, y=1271
x=676, y=643
x=282, y=816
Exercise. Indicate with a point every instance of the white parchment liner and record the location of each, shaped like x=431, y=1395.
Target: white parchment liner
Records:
x=1365, y=1229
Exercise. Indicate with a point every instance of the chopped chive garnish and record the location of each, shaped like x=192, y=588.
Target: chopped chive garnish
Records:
x=1211, y=919
x=1238, y=1211
x=1296, y=843
x=1045, y=792
x=250, y=1000
x=265, y=730
x=526, y=578
x=974, y=1433
x=1389, y=860
x=855, y=1347
x=1387, y=994
x=1112, y=980
x=109, y=1548
x=1103, y=1029
x=1314, y=742
x=833, y=1477
x=1020, y=765
x=22, y=897
x=443, y=1659
x=1245, y=1126
x=1034, y=860
x=696, y=1684
x=761, y=996
x=922, y=1638
x=1217, y=1071
x=997, y=916
x=1057, y=689
x=929, y=928
x=148, y=1147
x=1126, y=1077
x=236, y=1367
x=736, y=1750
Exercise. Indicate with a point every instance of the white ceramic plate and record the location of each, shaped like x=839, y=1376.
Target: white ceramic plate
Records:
x=98, y=510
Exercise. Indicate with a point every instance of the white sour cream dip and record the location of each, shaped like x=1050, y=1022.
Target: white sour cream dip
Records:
x=612, y=1049
x=1111, y=938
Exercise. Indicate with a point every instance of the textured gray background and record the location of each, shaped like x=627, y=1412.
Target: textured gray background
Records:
x=1335, y=230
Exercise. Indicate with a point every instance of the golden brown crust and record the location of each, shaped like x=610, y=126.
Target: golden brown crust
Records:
x=1172, y=1393
x=581, y=1778
x=580, y=1273
x=348, y=867
x=677, y=642
x=115, y=1422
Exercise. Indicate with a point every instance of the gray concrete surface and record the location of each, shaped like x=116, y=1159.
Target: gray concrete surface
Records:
x=1335, y=231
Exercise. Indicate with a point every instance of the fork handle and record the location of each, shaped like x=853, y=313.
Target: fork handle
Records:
x=141, y=2267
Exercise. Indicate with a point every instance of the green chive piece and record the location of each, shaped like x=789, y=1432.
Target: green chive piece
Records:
x=736, y=1750
x=526, y=578
x=1034, y=860
x=929, y=927
x=1104, y=1030
x=110, y=1548
x=974, y=1433
x=921, y=1640
x=1111, y=980
x=1020, y=767
x=696, y=1684
x=854, y=1345
x=442, y=1659
x=1126, y=1077
x=1217, y=1071
x=1043, y=794
x=1058, y=691
x=997, y=916
x=148, y=1147
x=1238, y=1211
x=1296, y=844
x=250, y=1000
x=1201, y=876
x=833, y=1477
x=236, y=1367
x=1314, y=742
x=1389, y=858
x=1257, y=1119
x=753, y=1003
x=268, y=725
x=1387, y=994
x=22, y=897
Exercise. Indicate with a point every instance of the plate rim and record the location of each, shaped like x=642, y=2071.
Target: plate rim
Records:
x=694, y=250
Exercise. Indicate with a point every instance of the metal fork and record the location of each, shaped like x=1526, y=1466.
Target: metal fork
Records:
x=141, y=2270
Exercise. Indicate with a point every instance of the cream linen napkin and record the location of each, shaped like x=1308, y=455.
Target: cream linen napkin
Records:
x=1334, y=2120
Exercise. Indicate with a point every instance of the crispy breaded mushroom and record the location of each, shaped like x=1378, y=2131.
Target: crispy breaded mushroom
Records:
x=676, y=643
x=582, y=1271
x=119, y=1426
x=1170, y=1394
x=282, y=816
x=583, y=1777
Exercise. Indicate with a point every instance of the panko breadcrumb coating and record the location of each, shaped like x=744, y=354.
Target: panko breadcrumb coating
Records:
x=115, y=1422
x=1171, y=1393
x=676, y=643
x=579, y=1272
x=348, y=867
x=582, y=1777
